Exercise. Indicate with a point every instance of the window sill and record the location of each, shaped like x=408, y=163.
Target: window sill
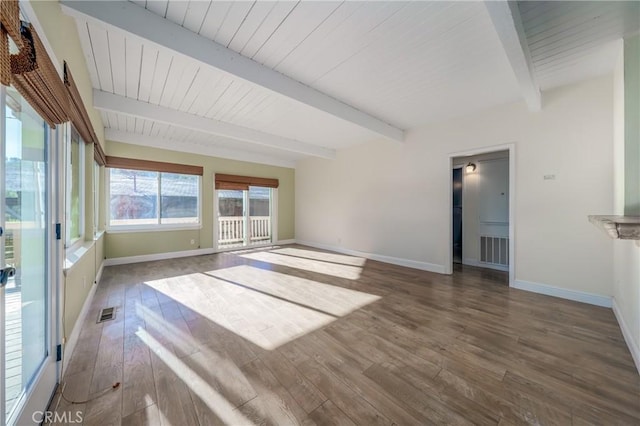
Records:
x=75, y=254
x=157, y=228
x=99, y=235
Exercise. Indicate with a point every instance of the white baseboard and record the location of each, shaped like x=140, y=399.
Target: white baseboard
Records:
x=424, y=266
x=70, y=345
x=563, y=293
x=628, y=337
x=157, y=256
x=281, y=242
x=174, y=254
x=473, y=262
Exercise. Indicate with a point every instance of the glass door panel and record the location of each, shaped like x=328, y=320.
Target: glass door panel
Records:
x=24, y=247
x=231, y=218
x=259, y=215
x=244, y=217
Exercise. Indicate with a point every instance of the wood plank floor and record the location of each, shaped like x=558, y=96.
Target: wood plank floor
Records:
x=294, y=335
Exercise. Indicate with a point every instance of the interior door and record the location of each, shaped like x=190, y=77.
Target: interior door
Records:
x=28, y=364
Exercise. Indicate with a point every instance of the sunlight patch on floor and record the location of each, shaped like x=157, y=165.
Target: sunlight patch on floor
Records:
x=311, y=265
x=207, y=394
x=319, y=255
x=330, y=299
x=264, y=307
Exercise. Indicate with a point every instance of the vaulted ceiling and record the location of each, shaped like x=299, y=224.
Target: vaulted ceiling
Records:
x=274, y=82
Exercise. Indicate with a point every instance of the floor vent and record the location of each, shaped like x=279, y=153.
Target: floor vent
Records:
x=494, y=250
x=107, y=314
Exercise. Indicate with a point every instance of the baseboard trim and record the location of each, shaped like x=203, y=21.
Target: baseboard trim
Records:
x=281, y=242
x=158, y=256
x=423, y=266
x=70, y=345
x=628, y=337
x=563, y=293
x=175, y=254
x=473, y=262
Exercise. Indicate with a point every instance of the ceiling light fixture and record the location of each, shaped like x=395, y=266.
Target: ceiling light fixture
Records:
x=470, y=168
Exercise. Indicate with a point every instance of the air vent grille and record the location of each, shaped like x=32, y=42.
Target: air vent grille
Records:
x=107, y=314
x=494, y=250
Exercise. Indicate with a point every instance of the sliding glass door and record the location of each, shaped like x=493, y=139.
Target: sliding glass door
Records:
x=244, y=217
x=25, y=308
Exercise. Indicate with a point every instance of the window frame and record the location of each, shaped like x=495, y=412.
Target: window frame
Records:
x=273, y=213
x=96, y=198
x=156, y=227
x=74, y=243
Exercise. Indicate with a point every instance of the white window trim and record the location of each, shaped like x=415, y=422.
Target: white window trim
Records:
x=158, y=227
x=73, y=244
x=96, y=198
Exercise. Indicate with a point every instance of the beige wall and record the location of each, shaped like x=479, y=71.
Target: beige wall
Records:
x=391, y=199
x=142, y=243
x=62, y=34
x=78, y=282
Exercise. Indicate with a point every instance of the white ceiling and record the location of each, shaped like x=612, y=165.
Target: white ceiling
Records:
x=404, y=63
x=575, y=40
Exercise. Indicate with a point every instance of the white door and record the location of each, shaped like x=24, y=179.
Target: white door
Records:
x=27, y=349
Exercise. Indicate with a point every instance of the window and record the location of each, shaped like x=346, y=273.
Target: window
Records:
x=75, y=188
x=143, y=199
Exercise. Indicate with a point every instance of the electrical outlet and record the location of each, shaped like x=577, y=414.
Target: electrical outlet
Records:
x=193, y=242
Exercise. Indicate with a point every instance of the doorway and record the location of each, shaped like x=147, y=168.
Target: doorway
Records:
x=245, y=217
x=457, y=214
x=482, y=187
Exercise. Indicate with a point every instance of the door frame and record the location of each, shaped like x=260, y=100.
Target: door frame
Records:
x=38, y=393
x=511, y=147
x=273, y=211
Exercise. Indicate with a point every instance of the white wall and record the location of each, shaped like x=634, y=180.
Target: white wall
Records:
x=392, y=199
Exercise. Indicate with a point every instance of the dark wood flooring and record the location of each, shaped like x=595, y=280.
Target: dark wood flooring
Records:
x=294, y=335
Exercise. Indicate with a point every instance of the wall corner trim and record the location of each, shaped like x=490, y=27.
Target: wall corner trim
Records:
x=563, y=293
x=626, y=333
x=415, y=264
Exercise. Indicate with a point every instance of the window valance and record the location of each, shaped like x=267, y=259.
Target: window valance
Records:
x=242, y=183
x=152, y=166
